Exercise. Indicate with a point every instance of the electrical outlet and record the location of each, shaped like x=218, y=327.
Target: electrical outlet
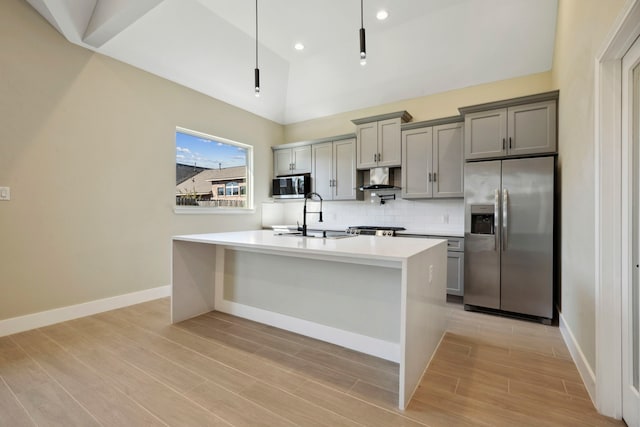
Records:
x=5, y=193
x=430, y=273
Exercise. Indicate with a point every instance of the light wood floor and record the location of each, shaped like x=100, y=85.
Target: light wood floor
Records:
x=130, y=367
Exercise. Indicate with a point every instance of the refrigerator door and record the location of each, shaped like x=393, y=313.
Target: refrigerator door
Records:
x=482, y=234
x=527, y=236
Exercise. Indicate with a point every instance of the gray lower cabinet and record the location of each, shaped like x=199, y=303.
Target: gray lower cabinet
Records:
x=455, y=273
x=455, y=262
x=455, y=265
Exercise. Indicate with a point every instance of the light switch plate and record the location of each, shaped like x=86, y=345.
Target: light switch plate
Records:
x=5, y=193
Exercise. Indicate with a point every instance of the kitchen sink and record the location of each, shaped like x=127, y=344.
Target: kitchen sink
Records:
x=319, y=235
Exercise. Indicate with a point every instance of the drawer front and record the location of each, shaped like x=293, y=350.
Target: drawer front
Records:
x=455, y=244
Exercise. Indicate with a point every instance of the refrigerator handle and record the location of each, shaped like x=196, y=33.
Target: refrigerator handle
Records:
x=505, y=214
x=496, y=210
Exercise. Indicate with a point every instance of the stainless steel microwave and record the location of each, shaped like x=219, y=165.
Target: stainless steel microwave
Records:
x=291, y=187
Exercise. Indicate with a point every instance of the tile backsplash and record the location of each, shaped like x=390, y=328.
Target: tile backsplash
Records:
x=420, y=215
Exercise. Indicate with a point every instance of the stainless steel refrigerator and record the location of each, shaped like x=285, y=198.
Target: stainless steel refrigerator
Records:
x=509, y=236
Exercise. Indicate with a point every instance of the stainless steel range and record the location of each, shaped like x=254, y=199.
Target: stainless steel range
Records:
x=374, y=230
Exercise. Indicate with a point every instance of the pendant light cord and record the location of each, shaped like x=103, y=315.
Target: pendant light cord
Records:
x=256, y=33
x=361, y=13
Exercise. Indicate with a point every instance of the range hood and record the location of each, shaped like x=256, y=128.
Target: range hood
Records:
x=379, y=179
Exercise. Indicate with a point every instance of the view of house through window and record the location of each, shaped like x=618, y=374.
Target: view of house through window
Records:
x=211, y=171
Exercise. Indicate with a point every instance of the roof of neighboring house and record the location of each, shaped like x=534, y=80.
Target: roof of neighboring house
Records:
x=201, y=183
x=184, y=172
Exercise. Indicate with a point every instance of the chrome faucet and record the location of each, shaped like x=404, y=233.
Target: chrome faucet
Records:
x=304, y=211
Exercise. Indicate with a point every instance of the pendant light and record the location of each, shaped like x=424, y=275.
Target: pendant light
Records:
x=363, y=47
x=257, y=70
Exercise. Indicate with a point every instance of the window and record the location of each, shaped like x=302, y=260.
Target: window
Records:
x=232, y=188
x=212, y=173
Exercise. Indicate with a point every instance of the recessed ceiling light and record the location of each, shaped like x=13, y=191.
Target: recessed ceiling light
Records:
x=382, y=15
x=298, y=46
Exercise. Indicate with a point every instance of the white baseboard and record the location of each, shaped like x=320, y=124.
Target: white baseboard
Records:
x=49, y=317
x=588, y=377
x=354, y=341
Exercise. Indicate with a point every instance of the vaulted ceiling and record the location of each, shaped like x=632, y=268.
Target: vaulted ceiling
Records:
x=423, y=47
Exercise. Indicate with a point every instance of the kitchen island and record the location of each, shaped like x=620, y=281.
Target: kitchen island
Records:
x=383, y=296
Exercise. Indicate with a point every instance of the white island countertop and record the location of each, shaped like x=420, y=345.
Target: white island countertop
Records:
x=369, y=247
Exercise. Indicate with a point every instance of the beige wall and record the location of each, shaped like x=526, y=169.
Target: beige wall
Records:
x=87, y=146
x=424, y=108
x=581, y=31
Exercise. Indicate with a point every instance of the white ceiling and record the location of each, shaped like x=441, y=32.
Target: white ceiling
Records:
x=424, y=47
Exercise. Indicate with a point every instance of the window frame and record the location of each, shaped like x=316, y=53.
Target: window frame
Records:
x=249, y=183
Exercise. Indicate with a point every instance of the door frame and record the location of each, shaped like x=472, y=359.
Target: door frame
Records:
x=610, y=218
x=630, y=63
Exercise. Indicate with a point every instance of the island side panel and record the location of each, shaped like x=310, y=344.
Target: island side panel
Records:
x=346, y=303
x=423, y=316
x=193, y=275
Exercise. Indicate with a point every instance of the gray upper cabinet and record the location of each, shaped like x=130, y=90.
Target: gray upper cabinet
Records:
x=532, y=129
x=291, y=161
x=448, y=160
x=367, y=137
x=485, y=134
x=322, y=174
x=520, y=127
x=334, y=174
x=417, y=160
x=432, y=161
x=344, y=169
x=378, y=140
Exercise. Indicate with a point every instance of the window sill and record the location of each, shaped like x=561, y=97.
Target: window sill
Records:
x=216, y=211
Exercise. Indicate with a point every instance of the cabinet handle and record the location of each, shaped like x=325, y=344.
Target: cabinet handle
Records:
x=505, y=216
x=509, y=142
x=375, y=157
x=429, y=176
x=434, y=177
x=504, y=144
x=335, y=183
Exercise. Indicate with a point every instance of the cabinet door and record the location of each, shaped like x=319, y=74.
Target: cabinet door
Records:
x=344, y=170
x=322, y=176
x=367, y=145
x=455, y=273
x=448, y=160
x=416, y=163
x=389, y=144
x=485, y=134
x=532, y=128
x=301, y=159
x=282, y=164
